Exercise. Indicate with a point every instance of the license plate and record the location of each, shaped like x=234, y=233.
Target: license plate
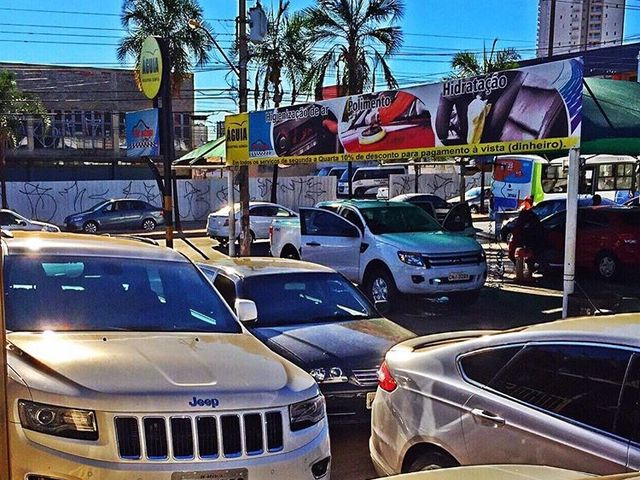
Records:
x=458, y=276
x=370, y=397
x=229, y=474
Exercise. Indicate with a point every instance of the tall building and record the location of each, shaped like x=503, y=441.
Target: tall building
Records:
x=580, y=25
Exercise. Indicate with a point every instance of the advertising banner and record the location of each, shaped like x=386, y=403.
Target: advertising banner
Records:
x=526, y=110
x=143, y=133
x=237, y=138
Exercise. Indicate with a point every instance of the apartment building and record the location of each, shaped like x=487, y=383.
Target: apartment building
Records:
x=579, y=25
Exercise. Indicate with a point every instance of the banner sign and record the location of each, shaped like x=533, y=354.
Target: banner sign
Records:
x=526, y=110
x=237, y=138
x=143, y=135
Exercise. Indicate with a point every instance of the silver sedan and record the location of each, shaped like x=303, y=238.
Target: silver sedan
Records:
x=563, y=394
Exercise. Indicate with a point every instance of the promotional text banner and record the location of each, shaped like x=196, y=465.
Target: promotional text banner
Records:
x=526, y=110
x=143, y=135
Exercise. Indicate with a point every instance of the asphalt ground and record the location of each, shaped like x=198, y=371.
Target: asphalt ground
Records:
x=502, y=304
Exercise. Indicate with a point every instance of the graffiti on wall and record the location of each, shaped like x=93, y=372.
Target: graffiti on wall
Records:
x=53, y=201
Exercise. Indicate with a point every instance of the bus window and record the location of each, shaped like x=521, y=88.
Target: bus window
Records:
x=615, y=176
x=554, y=179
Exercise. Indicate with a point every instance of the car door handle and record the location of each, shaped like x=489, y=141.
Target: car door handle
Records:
x=312, y=244
x=485, y=415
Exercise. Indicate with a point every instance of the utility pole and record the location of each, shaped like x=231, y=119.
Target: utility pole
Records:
x=167, y=146
x=552, y=26
x=245, y=236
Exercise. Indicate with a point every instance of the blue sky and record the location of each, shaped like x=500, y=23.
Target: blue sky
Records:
x=36, y=31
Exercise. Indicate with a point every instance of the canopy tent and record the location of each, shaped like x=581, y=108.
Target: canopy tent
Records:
x=610, y=117
x=212, y=152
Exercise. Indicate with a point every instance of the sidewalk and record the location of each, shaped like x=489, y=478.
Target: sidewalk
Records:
x=192, y=229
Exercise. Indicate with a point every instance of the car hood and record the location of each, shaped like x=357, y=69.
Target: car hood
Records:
x=430, y=242
x=236, y=369
x=351, y=344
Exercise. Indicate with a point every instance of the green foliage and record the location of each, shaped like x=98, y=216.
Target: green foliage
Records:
x=169, y=19
x=14, y=104
x=468, y=64
x=284, y=55
x=359, y=36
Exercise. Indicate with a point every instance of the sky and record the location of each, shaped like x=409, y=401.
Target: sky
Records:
x=86, y=32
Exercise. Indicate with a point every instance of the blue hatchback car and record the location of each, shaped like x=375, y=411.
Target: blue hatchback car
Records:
x=120, y=214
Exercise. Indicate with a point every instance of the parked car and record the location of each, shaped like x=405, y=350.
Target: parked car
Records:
x=549, y=207
x=434, y=205
x=561, y=394
x=504, y=472
x=10, y=220
x=367, y=180
x=472, y=197
x=118, y=214
x=388, y=248
x=126, y=363
x=320, y=321
x=607, y=240
x=261, y=214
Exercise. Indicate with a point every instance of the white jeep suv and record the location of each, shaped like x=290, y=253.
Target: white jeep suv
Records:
x=124, y=363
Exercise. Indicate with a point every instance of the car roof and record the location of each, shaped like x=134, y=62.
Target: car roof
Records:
x=244, y=267
x=374, y=203
x=616, y=329
x=74, y=244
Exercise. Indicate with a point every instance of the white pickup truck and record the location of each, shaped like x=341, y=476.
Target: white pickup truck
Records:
x=386, y=247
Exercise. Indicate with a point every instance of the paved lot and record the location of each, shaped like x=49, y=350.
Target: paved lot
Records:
x=503, y=304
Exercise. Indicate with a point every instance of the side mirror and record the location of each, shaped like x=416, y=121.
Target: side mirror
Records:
x=246, y=310
x=383, y=307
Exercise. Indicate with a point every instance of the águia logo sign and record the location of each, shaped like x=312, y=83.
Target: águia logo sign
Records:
x=150, y=67
x=237, y=138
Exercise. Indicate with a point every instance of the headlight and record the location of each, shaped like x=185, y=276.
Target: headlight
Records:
x=413, y=259
x=328, y=375
x=305, y=414
x=59, y=421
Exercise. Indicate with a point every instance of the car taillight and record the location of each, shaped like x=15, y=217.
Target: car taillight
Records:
x=385, y=380
x=270, y=232
x=162, y=213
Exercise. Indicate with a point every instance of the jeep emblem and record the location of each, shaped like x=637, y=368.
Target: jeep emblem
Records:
x=204, y=402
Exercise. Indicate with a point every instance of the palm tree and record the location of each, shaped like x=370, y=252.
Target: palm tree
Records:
x=168, y=19
x=359, y=36
x=284, y=55
x=468, y=64
x=15, y=105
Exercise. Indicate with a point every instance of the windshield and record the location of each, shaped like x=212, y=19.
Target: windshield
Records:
x=398, y=219
x=98, y=206
x=345, y=176
x=294, y=298
x=66, y=293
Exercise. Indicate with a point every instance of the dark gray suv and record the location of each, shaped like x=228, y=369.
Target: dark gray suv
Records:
x=118, y=214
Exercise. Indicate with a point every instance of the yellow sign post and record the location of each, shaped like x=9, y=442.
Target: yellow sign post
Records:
x=150, y=67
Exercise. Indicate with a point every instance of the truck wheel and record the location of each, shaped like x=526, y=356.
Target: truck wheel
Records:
x=289, y=252
x=379, y=285
x=359, y=193
x=431, y=461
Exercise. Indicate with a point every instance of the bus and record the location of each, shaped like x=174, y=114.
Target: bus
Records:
x=515, y=177
x=611, y=176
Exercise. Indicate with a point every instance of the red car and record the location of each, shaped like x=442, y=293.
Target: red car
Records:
x=608, y=240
